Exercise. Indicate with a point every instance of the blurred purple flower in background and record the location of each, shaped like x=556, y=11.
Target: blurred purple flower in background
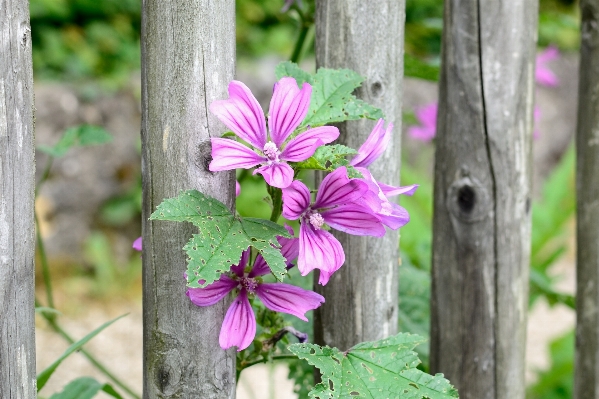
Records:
x=543, y=75
x=137, y=244
x=242, y=114
x=239, y=326
x=427, y=117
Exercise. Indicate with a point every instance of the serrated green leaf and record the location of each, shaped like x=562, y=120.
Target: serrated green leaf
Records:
x=414, y=68
x=82, y=135
x=222, y=237
x=375, y=370
x=329, y=158
x=332, y=99
x=85, y=388
x=291, y=69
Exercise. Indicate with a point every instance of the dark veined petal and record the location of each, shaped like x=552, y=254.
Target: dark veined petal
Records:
x=318, y=249
x=296, y=199
x=213, y=293
x=229, y=154
x=288, y=299
x=239, y=325
x=375, y=144
x=354, y=219
x=338, y=189
x=277, y=174
x=242, y=114
x=288, y=108
x=303, y=146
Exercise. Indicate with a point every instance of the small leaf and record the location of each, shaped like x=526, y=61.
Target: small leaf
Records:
x=43, y=377
x=376, y=370
x=82, y=135
x=85, y=388
x=415, y=68
x=332, y=99
x=329, y=158
x=222, y=237
x=291, y=69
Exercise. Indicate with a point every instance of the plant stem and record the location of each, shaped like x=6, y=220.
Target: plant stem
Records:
x=58, y=329
x=45, y=174
x=299, y=44
x=45, y=266
x=265, y=360
x=276, y=195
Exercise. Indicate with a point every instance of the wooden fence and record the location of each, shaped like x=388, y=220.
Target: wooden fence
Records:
x=482, y=191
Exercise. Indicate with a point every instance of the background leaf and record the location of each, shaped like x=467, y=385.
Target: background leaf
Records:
x=291, y=69
x=85, y=388
x=82, y=135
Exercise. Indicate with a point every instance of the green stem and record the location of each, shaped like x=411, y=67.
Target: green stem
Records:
x=299, y=44
x=45, y=175
x=58, y=329
x=276, y=195
x=45, y=266
x=265, y=360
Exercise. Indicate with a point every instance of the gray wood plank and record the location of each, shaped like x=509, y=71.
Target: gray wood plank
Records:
x=188, y=59
x=586, y=380
x=366, y=36
x=17, y=183
x=481, y=226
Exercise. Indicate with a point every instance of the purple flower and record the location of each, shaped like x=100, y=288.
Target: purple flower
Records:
x=391, y=215
x=237, y=188
x=137, y=244
x=543, y=75
x=427, y=116
x=242, y=114
x=239, y=326
x=336, y=206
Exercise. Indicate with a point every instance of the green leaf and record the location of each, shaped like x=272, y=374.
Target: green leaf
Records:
x=85, y=388
x=329, y=158
x=291, y=69
x=332, y=99
x=43, y=377
x=375, y=370
x=222, y=237
x=82, y=135
x=415, y=68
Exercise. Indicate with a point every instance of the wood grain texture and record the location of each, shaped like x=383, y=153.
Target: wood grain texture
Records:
x=17, y=183
x=188, y=59
x=481, y=226
x=366, y=36
x=586, y=381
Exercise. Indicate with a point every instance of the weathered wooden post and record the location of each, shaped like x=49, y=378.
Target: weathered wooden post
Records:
x=482, y=224
x=366, y=36
x=188, y=59
x=17, y=185
x=586, y=381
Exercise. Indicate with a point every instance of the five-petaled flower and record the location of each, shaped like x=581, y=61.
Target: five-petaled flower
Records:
x=336, y=206
x=239, y=326
x=242, y=114
x=391, y=215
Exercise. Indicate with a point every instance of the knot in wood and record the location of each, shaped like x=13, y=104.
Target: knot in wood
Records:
x=468, y=200
x=376, y=89
x=203, y=157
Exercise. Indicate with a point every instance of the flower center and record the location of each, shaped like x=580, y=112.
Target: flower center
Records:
x=271, y=151
x=316, y=219
x=250, y=284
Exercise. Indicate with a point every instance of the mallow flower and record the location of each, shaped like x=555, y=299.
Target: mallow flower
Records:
x=336, y=206
x=427, y=117
x=242, y=114
x=391, y=214
x=543, y=75
x=239, y=326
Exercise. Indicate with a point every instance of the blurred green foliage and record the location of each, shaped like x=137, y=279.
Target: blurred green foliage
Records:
x=557, y=381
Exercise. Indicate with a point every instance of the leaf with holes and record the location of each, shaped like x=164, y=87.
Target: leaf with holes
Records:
x=222, y=237
x=374, y=370
x=332, y=99
x=329, y=158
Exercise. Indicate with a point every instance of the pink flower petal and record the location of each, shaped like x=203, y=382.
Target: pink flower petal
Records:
x=242, y=114
x=421, y=133
x=545, y=77
x=353, y=219
x=239, y=325
x=213, y=293
x=318, y=249
x=391, y=191
x=137, y=244
x=375, y=144
x=427, y=115
x=296, y=199
x=303, y=146
x=393, y=216
x=277, y=174
x=237, y=188
x=288, y=299
x=336, y=189
x=288, y=108
x=229, y=154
